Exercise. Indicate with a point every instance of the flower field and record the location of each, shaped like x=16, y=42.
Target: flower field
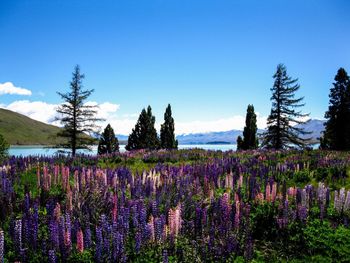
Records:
x=177, y=206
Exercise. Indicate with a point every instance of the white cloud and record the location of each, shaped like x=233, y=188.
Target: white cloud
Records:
x=9, y=88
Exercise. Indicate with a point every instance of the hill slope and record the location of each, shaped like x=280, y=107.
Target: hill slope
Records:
x=22, y=130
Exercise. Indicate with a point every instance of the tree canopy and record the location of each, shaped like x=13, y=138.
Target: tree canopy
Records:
x=337, y=128
x=249, y=140
x=108, y=141
x=167, y=131
x=144, y=135
x=78, y=118
x=282, y=130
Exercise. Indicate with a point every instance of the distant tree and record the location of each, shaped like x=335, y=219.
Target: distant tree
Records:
x=250, y=140
x=282, y=131
x=337, y=128
x=108, y=141
x=239, y=143
x=144, y=135
x=78, y=119
x=167, y=131
x=4, y=147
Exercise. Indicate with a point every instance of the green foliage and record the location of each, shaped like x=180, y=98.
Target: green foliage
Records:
x=337, y=127
x=85, y=257
x=4, y=146
x=108, y=141
x=322, y=239
x=239, y=143
x=144, y=135
x=167, y=131
x=302, y=177
x=249, y=133
x=281, y=130
x=78, y=119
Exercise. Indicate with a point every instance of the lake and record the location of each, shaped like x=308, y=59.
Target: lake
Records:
x=42, y=150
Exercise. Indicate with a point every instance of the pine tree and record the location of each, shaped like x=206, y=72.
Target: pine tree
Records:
x=108, y=141
x=239, y=143
x=167, y=131
x=281, y=130
x=78, y=119
x=144, y=135
x=337, y=127
x=249, y=133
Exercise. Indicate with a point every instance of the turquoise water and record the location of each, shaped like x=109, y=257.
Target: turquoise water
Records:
x=41, y=150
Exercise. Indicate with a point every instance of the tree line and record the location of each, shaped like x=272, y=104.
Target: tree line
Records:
x=282, y=132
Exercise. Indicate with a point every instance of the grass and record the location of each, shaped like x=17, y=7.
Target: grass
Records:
x=22, y=130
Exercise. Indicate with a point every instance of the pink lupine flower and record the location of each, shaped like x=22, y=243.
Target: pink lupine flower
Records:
x=80, y=241
x=67, y=239
x=38, y=176
x=57, y=211
x=240, y=181
x=175, y=220
x=259, y=197
x=273, y=192
x=151, y=228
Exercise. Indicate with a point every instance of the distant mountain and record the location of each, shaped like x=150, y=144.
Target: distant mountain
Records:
x=209, y=137
x=19, y=129
x=314, y=126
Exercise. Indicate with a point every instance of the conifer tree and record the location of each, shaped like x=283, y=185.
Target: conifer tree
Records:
x=239, y=143
x=167, y=131
x=250, y=140
x=144, y=135
x=108, y=141
x=337, y=128
x=282, y=131
x=78, y=119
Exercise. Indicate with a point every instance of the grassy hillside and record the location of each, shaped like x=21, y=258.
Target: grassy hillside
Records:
x=22, y=130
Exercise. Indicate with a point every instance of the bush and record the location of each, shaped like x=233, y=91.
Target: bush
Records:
x=302, y=177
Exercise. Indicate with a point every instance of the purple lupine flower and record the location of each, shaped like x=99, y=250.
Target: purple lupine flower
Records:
x=22, y=254
x=165, y=256
x=52, y=256
x=99, y=244
x=54, y=235
x=35, y=225
x=2, y=246
x=158, y=229
x=68, y=234
x=18, y=235
x=87, y=237
x=138, y=241
x=302, y=213
x=62, y=230
x=154, y=209
x=25, y=229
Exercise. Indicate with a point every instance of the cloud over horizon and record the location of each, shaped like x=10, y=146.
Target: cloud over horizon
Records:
x=123, y=124
x=9, y=88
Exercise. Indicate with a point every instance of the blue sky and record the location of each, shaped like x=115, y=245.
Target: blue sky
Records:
x=209, y=59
